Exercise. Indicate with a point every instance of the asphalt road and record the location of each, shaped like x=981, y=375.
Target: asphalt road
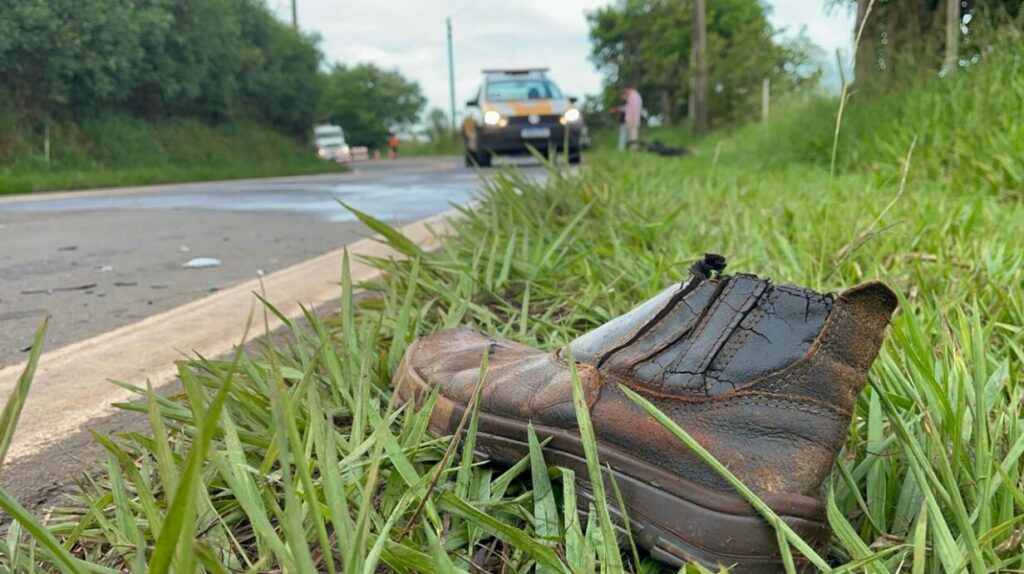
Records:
x=97, y=260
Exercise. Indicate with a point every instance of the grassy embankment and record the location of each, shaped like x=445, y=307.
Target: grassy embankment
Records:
x=296, y=459
x=441, y=146
x=121, y=150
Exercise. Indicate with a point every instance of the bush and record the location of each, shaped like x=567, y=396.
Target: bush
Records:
x=122, y=149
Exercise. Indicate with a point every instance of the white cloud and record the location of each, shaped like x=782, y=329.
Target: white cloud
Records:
x=410, y=36
x=831, y=29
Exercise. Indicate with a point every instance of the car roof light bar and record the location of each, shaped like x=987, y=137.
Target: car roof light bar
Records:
x=516, y=71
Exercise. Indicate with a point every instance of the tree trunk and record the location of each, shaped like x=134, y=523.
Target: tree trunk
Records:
x=866, y=58
x=952, y=35
x=700, y=60
x=666, y=109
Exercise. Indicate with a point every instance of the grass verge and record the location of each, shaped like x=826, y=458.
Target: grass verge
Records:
x=118, y=150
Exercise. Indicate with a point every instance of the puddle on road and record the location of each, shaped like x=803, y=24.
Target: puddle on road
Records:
x=401, y=196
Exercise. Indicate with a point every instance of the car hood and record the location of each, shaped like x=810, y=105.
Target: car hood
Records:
x=527, y=107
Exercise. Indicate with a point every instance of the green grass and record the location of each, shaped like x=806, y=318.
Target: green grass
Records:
x=442, y=146
x=297, y=458
x=118, y=150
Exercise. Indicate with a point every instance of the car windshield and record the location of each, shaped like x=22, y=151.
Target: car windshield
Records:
x=529, y=89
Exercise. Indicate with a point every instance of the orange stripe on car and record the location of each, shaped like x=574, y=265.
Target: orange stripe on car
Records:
x=525, y=108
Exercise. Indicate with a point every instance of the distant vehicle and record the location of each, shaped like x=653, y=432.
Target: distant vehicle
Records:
x=330, y=143
x=518, y=109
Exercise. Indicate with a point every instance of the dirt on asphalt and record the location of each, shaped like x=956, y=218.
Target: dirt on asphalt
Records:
x=92, y=272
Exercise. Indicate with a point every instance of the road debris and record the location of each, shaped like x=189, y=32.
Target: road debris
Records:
x=201, y=263
x=68, y=248
x=184, y=248
x=125, y=284
x=51, y=290
x=106, y=269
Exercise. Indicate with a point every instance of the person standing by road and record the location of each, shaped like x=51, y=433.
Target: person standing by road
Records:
x=393, y=146
x=629, y=116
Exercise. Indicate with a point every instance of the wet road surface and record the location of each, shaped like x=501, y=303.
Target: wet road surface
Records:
x=101, y=259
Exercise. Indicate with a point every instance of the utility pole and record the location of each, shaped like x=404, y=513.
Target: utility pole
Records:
x=698, y=52
x=451, y=75
x=295, y=15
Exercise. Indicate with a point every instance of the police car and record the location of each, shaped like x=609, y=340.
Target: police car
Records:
x=515, y=110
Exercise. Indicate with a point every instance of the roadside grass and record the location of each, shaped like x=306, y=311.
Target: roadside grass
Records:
x=117, y=150
x=440, y=146
x=296, y=458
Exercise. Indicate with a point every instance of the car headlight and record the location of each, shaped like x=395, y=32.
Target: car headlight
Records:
x=572, y=115
x=321, y=152
x=492, y=117
x=345, y=149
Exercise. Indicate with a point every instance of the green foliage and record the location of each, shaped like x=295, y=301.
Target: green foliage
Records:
x=370, y=103
x=122, y=149
x=211, y=59
x=902, y=38
x=967, y=125
x=647, y=44
x=443, y=146
x=437, y=127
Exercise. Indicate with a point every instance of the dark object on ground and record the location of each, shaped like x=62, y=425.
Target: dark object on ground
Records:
x=659, y=148
x=764, y=376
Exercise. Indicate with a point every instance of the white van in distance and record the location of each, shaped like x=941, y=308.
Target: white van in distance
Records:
x=330, y=143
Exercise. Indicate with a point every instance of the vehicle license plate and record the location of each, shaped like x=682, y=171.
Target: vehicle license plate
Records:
x=533, y=133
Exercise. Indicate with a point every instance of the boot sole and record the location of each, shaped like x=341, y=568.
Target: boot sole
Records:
x=674, y=519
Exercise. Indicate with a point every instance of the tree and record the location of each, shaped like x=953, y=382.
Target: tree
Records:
x=901, y=38
x=211, y=59
x=649, y=43
x=369, y=103
x=437, y=127
x=699, y=59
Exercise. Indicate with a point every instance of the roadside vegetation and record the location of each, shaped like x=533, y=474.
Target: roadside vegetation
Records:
x=95, y=93
x=295, y=458
x=120, y=149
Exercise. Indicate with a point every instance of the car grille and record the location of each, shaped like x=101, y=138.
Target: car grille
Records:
x=525, y=120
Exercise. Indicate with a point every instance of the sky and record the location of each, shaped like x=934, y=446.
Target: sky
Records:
x=409, y=35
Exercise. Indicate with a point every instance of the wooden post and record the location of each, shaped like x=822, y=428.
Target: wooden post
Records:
x=46, y=139
x=765, y=98
x=700, y=81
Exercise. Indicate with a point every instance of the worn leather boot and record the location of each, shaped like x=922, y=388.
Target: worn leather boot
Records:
x=764, y=376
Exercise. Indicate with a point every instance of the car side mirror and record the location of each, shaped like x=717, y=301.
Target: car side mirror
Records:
x=573, y=100
x=472, y=103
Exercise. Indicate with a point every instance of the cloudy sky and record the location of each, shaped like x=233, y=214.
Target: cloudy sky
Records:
x=409, y=35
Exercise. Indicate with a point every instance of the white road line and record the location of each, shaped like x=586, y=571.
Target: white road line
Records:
x=71, y=386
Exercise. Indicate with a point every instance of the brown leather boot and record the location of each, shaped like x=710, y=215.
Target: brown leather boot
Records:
x=764, y=376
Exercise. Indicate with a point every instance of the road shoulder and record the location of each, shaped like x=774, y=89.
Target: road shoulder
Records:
x=72, y=388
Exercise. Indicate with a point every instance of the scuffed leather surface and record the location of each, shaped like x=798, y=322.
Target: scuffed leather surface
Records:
x=708, y=336
x=589, y=347
x=521, y=382
x=749, y=352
